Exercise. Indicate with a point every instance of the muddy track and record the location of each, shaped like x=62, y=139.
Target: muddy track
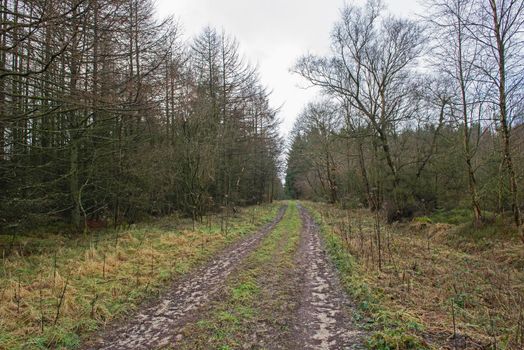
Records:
x=324, y=316
x=158, y=324
x=301, y=305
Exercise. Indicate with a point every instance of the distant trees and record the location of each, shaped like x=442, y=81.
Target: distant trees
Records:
x=370, y=69
x=104, y=112
x=316, y=127
x=424, y=113
x=456, y=55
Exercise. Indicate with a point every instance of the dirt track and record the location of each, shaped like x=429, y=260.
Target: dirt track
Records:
x=313, y=310
x=324, y=316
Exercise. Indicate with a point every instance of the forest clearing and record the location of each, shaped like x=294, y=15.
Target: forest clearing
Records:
x=295, y=174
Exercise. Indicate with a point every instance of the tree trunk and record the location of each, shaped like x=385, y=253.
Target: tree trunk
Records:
x=472, y=183
x=504, y=124
x=363, y=170
x=74, y=187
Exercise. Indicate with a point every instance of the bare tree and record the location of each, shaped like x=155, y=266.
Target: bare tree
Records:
x=456, y=53
x=498, y=28
x=370, y=67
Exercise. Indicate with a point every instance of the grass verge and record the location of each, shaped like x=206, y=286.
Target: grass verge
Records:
x=388, y=329
x=51, y=298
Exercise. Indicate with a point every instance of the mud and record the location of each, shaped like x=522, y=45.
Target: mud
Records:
x=324, y=316
x=303, y=304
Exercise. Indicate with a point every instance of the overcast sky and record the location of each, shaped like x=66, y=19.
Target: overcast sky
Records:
x=272, y=35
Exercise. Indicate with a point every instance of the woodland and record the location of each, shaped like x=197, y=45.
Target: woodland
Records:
x=107, y=116
x=148, y=196
x=417, y=115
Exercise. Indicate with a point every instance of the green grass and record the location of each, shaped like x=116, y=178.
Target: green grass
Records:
x=107, y=276
x=495, y=228
x=467, y=236
x=244, y=290
x=423, y=220
x=454, y=216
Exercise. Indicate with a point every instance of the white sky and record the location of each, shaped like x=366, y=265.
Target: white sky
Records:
x=272, y=34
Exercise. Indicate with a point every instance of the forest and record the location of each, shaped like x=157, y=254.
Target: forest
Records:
x=416, y=115
x=151, y=197
x=108, y=116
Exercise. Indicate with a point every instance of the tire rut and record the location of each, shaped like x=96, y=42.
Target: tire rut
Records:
x=158, y=324
x=323, y=319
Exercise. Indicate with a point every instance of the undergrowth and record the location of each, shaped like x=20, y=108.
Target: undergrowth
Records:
x=388, y=329
x=439, y=286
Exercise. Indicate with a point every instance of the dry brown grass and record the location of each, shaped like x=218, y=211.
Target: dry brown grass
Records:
x=431, y=271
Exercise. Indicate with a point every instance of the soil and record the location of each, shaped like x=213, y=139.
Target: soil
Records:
x=324, y=318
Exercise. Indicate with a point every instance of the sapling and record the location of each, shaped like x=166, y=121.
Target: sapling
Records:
x=93, y=304
x=3, y=293
x=104, y=265
x=360, y=232
x=97, y=238
x=61, y=300
x=389, y=238
x=54, y=268
x=403, y=286
x=18, y=297
x=41, y=306
x=379, y=240
x=137, y=273
x=116, y=238
x=493, y=334
x=152, y=259
x=11, y=243
x=227, y=215
x=173, y=265
x=521, y=328
x=347, y=232
x=138, y=261
x=222, y=220
x=4, y=263
x=372, y=248
x=520, y=325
